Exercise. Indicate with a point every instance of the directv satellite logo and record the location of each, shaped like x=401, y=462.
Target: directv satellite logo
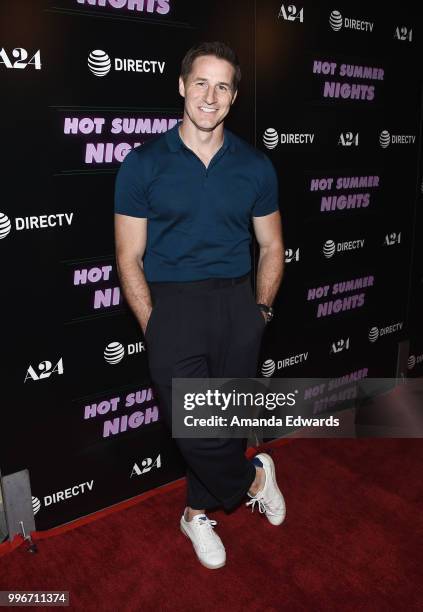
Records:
x=384, y=139
x=5, y=225
x=36, y=505
x=270, y=138
x=99, y=63
x=114, y=352
x=373, y=334
x=335, y=20
x=329, y=248
x=414, y=360
x=268, y=368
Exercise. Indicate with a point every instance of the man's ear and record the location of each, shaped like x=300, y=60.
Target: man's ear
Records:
x=181, y=87
x=234, y=98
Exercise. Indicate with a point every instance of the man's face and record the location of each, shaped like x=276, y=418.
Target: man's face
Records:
x=208, y=91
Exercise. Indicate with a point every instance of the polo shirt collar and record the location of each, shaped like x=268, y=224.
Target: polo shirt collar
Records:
x=175, y=143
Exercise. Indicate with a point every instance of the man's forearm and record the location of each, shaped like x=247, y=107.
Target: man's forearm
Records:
x=269, y=274
x=135, y=288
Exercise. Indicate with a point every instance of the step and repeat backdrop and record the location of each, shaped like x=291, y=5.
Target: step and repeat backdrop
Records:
x=331, y=95
x=338, y=110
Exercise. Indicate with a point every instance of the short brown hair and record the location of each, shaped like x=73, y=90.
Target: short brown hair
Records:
x=219, y=50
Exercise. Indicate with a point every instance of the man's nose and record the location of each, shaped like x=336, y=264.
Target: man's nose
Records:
x=210, y=95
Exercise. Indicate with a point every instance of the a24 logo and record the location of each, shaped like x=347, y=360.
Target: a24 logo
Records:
x=146, y=465
x=19, y=58
x=291, y=13
x=45, y=370
x=403, y=33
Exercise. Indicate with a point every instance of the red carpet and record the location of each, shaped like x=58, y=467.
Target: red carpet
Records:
x=352, y=540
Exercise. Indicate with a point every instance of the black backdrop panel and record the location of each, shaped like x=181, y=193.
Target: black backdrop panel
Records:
x=86, y=81
x=107, y=81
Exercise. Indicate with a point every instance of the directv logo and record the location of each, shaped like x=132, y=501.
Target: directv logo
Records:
x=414, y=360
x=36, y=505
x=373, y=334
x=114, y=352
x=270, y=138
x=335, y=20
x=33, y=222
x=59, y=496
x=329, y=248
x=384, y=139
x=411, y=362
x=268, y=368
x=99, y=63
x=5, y=225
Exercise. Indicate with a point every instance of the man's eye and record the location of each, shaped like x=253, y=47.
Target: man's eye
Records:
x=223, y=87
x=201, y=83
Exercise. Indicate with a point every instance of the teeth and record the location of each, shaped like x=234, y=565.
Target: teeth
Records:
x=208, y=110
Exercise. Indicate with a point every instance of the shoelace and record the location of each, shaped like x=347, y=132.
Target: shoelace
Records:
x=261, y=506
x=210, y=523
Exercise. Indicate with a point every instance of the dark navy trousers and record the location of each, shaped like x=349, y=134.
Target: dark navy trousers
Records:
x=206, y=329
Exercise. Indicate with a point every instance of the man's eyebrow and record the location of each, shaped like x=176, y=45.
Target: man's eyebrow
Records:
x=220, y=82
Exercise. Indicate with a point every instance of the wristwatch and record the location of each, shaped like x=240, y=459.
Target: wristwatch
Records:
x=268, y=311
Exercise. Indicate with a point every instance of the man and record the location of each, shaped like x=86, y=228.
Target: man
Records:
x=184, y=204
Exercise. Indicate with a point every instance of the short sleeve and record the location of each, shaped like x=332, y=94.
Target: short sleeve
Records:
x=130, y=196
x=268, y=198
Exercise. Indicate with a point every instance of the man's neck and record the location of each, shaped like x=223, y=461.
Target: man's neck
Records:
x=204, y=144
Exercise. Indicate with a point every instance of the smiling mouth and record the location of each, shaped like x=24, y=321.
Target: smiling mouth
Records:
x=208, y=110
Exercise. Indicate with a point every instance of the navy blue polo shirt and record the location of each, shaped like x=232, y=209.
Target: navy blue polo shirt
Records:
x=198, y=218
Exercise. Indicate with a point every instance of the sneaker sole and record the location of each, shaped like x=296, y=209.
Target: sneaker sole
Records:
x=200, y=560
x=268, y=459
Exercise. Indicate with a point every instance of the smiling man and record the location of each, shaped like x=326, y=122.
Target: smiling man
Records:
x=184, y=206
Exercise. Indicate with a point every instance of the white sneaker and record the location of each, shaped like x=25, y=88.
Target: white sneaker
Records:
x=270, y=500
x=207, y=544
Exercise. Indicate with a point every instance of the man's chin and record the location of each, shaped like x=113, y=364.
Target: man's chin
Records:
x=207, y=127
x=202, y=128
